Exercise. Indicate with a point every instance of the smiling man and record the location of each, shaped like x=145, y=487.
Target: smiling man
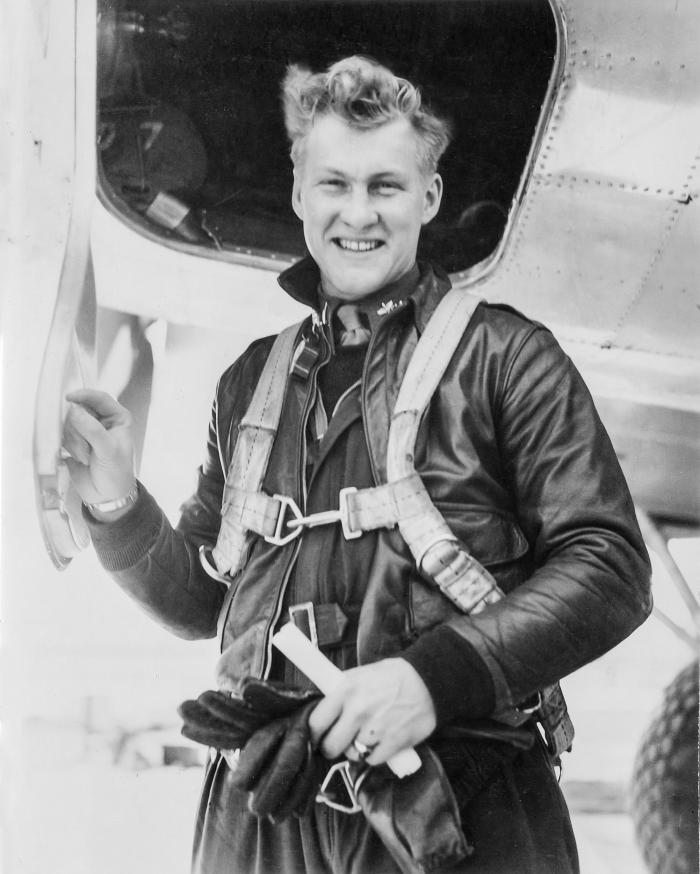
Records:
x=363, y=197
x=511, y=457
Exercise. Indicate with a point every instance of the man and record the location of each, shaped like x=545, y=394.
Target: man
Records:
x=512, y=454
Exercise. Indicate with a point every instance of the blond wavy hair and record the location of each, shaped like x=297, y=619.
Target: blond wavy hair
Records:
x=364, y=94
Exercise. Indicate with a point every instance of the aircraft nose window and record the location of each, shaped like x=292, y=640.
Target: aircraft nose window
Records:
x=191, y=140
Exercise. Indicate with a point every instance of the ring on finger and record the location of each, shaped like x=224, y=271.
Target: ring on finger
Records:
x=363, y=750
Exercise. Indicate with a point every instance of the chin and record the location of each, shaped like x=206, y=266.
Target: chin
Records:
x=356, y=292
x=350, y=288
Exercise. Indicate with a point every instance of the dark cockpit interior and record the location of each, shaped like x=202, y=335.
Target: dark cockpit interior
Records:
x=190, y=135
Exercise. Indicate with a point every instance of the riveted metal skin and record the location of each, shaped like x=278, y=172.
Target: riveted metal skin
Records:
x=602, y=235
x=611, y=188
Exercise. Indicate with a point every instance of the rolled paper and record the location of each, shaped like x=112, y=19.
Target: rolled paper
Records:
x=297, y=647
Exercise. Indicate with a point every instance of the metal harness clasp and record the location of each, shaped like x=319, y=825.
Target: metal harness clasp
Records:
x=307, y=607
x=330, y=799
x=207, y=561
x=298, y=521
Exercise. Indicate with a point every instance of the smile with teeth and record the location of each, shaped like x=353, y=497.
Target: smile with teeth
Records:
x=357, y=245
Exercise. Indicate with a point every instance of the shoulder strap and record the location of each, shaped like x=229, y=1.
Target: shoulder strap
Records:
x=460, y=577
x=251, y=455
x=426, y=368
x=434, y=352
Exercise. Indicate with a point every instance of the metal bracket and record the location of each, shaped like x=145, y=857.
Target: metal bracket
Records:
x=298, y=521
x=324, y=796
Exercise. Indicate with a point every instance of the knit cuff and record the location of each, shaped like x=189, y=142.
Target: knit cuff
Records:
x=121, y=544
x=456, y=676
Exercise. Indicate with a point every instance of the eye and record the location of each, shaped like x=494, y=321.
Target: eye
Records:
x=332, y=183
x=386, y=186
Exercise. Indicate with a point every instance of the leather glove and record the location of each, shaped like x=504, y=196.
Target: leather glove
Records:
x=278, y=767
x=225, y=722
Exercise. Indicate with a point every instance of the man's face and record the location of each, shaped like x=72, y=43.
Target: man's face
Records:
x=363, y=199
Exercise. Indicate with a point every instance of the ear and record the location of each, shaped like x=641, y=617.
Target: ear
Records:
x=433, y=197
x=297, y=204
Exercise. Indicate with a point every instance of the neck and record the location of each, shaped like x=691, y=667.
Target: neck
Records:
x=400, y=287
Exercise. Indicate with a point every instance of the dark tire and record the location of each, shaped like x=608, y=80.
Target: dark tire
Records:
x=664, y=790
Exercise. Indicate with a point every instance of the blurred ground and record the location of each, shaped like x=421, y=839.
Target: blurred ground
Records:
x=98, y=819
x=606, y=844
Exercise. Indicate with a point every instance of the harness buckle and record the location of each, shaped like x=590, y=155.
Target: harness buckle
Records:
x=344, y=513
x=279, y=538
x=326, y=795
x=207, y=561
x=298, y=521
x=306, y=607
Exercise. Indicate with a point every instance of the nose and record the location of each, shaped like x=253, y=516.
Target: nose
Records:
x=358, y=210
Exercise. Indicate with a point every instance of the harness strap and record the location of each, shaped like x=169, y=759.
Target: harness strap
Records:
x=460, y=577
x=279, y=520
x=246, y=472
x=403, y=501
x=433, y=353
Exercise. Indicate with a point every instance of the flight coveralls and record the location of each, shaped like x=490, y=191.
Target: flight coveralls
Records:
x=514, y=456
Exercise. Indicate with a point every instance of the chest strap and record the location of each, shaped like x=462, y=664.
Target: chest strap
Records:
x=403, y=501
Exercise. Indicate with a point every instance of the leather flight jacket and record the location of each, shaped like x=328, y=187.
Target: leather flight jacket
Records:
x=513, y=455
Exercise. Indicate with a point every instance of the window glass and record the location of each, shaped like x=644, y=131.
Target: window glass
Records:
x=191, y=138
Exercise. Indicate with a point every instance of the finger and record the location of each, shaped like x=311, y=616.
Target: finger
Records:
x=323, y=716
x=272, y=789
x=101, y=403
x=112, y=452
x=352, y=754
x=256, y=754
x=303, y=788
x=80, y=477
x=359, y=751
x=388, y=747
x=75, y=445
x=339, y=736
x=368, y=736
x=205, y=730
x=210, y=737
x=266, y=697
x=199, y=723
x=86, y=426
x=232, y=710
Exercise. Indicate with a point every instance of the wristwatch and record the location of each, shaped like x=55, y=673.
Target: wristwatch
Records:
x=116, y=504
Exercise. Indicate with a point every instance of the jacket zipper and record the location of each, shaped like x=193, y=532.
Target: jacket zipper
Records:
x=373, y=340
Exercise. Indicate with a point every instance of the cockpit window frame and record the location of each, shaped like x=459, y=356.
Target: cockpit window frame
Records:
x=478, y=272
x=268, y=259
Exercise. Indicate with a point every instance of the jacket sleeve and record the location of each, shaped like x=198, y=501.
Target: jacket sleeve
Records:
x=158, y=565
x=591, y=583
